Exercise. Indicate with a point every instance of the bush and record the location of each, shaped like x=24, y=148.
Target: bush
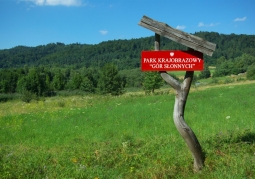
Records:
x=240, y=79
x=65, y=93
x=152, y=81
x=27, y=96
x=228, y=80
x=214, y=81
x=195, y=79
x=110, y=81
x=205, y=73
x=6, y=97
x=251, y=72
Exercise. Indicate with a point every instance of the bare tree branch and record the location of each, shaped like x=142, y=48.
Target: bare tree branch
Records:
x=170, y=80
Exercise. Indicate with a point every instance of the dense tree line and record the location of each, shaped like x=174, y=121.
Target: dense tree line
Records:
x=110, y=66
x=240, y=64
x=125, y=54
x=228, y=46
x=41, y=81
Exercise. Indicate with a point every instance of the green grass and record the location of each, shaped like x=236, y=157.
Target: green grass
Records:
x=132, y=136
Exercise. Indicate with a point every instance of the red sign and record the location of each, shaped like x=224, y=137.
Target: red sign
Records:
x=172, y=60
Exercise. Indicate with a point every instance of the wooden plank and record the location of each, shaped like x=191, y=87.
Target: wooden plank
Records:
x=176, y=35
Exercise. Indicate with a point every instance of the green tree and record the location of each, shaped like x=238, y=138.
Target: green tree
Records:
x=152, y=81
x=76, y=81
x=59, y=81
x=205, y=73
x=134, y=77
x=110, y=81
x=220, y=60
x=242, y=63
x=49, y=89
x=34, y=82
x=93, y=75
x=8, y=81
x=87, y=85
x=224, y=69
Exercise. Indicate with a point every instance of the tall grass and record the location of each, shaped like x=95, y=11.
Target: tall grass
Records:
x=132, y=136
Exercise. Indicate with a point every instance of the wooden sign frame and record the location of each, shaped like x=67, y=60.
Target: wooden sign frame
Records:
x=181, y=88
x=179, y=36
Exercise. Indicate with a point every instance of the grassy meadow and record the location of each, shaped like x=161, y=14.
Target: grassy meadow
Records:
x=131, y=136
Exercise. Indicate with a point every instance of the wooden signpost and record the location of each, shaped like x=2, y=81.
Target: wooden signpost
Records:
x=196, y=47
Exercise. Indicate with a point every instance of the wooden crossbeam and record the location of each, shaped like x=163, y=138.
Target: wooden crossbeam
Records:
x=178, y=36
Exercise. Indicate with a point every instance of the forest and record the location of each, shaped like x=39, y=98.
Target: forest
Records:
x=108, y=67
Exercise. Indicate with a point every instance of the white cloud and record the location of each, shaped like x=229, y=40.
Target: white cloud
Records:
x=180, y=27
x=38, y=2
x=240, y=19
x=103, y=32
x=56, y=2
x=201, y=24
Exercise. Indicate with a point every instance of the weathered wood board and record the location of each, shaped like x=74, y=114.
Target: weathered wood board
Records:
x=179, y=36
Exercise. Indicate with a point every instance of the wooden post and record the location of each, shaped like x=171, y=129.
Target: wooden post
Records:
x=157, y=42
x=182, y=91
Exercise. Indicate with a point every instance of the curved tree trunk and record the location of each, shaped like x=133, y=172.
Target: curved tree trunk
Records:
x=186, y=132
x=182, y=91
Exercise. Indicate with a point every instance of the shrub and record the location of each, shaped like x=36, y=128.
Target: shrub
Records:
x=251, y=72
x=6, y=97
x=214, y=81
x=240, y=79
x=27, y=96
x=228, y=80
x=205, y=73
x=195, y=79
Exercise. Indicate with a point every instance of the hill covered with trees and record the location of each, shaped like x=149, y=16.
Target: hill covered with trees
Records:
x=125, y=54
x=109, y=67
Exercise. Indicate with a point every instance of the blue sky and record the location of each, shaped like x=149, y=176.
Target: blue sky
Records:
x=39, y=22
